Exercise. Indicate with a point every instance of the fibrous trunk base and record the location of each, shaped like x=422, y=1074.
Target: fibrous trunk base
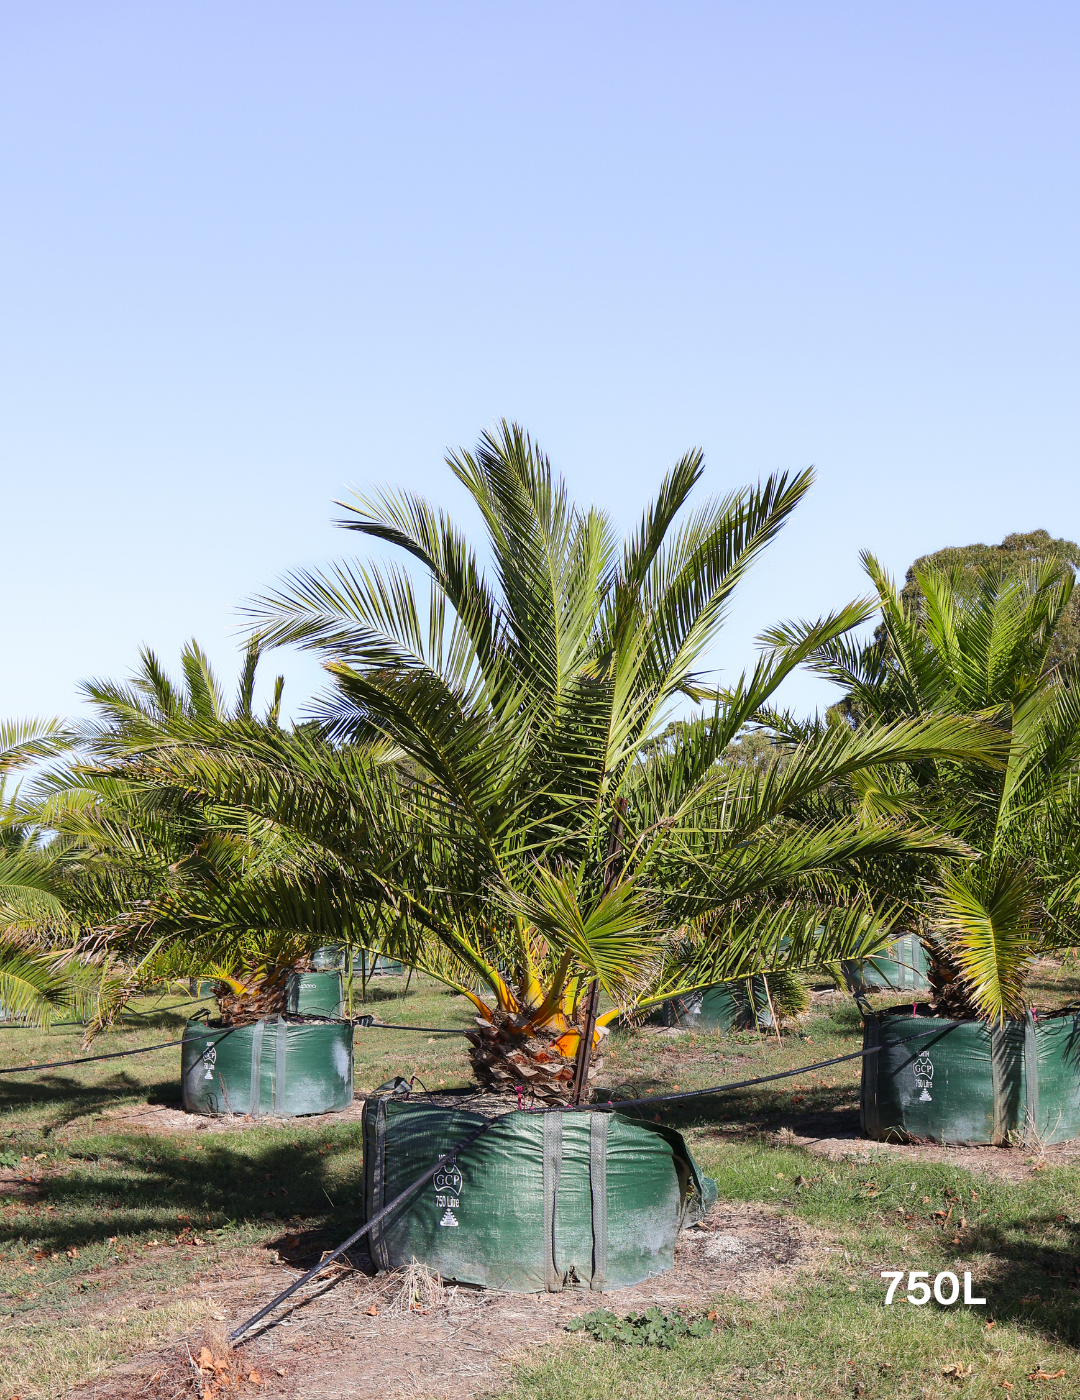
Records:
x=505, y=1057
x=268, y=996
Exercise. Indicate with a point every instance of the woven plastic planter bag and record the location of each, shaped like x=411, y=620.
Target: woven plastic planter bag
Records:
x=365, y=963
x=277, y=1067
x=968, y=1082
x=901, y=968
x=315, y=994
x=541, y=1202
x=723, y=1007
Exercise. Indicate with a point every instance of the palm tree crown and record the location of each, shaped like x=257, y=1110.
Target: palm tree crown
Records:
x=498, y=823
x=981, y=646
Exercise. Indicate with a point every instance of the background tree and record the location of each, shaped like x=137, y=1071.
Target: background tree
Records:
x=981, y=643
x=127, y=845
x=967, y=564
x=38, y=974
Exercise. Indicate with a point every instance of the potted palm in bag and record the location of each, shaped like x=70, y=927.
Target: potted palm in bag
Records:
x=978, y=644
x=479, y=800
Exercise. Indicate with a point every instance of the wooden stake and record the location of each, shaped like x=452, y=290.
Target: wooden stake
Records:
x=581, y=1069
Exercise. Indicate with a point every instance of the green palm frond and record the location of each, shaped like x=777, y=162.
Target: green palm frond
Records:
x=989, y=923
x=32, y=985
x=24, y=741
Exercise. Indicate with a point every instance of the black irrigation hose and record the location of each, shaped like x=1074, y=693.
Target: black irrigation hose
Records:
x=748, y=1083
x=388, y=1026
x=91, y=1059
x=615, y=1103
x=55, y=1025
x=467, y=1142
x=363, y=1230
x=166, y=1044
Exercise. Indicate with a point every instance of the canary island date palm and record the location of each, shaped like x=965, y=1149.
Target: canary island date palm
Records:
x=131, y=844
x=978, y=645
x=38, y=975
x=486, y=812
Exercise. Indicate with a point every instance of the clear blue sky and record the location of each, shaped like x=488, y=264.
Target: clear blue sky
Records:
x=252, y=253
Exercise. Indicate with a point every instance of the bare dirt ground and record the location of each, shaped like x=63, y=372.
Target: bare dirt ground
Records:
x=348, y=1335
x=171, y=1118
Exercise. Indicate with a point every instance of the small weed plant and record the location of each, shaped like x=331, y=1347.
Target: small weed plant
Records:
x=648, y=1329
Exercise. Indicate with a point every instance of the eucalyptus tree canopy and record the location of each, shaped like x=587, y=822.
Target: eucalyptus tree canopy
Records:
x=968, y=563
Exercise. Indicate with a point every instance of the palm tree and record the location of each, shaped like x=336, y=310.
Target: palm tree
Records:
x=37, y=977
x=128, y=845
x=487, y=813
x=979, y=645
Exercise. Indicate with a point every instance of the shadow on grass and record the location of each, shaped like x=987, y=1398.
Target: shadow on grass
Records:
x=824, y=1113
x=1034, y=1282
x=75, y=1100
x=130, y=1186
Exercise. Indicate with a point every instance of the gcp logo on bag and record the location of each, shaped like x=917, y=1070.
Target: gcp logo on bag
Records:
x=447, y=1184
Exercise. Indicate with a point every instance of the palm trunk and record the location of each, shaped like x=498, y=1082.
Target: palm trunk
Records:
x=267, y=997
x=509, y=1052
x=949, y=991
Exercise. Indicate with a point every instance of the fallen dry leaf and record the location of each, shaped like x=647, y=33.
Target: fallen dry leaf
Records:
x=206, y=1359
x=156, y=1377
x=373, y=1311
x=255, y=1378
x=990, y=1326
x=1041, y=1375
x=279, y=1370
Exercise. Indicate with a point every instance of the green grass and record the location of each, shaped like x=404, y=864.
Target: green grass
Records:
x=115, y=1212
x=107, y=1191
x=830, y=1335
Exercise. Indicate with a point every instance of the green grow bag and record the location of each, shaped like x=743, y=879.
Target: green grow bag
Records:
x=365, y=962
x=279, y=1067
x=543, y=1201
x=968, y=1082
x=315, y=994
x=901, y=968
x=725, y=1006
x=200, y=987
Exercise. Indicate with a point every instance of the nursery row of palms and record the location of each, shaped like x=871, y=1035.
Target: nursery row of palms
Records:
x=491, y=789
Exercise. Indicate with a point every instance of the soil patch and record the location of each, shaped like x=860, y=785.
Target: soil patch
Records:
x=171, y=1118
x=351, y=1335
